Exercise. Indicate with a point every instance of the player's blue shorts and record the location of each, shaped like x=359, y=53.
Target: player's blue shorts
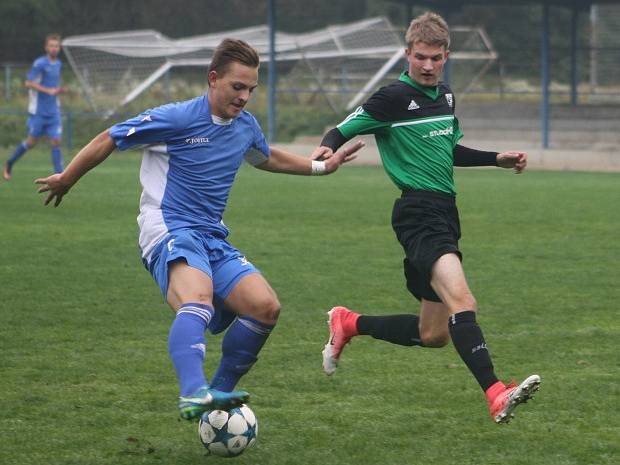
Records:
x=215, y=257
x=50, y=126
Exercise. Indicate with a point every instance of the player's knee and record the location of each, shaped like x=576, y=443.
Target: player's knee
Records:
x=471, y=303
x=270, y=309
x=467, y=301
x=177, y=300
x=205, y=299
x=433, y=338
x=266, y=309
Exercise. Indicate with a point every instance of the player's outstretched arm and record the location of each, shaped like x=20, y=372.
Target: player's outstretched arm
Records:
x=512, y=159
x=57, y=185
x=281, y=161
x=465, y=156
x=331, y=142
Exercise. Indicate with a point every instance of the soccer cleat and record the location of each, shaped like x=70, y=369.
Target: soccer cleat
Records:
x=504, y=399
x=205, y=398
x=6, y=172
x=342, y=327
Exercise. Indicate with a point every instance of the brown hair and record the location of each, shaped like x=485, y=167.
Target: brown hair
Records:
x=429, y=28
x=233, y=50
x=52, y=36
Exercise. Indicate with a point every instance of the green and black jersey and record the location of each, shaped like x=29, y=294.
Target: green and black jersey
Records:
x=416, y=132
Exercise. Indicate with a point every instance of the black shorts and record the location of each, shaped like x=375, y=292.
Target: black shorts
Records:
x=427, y=226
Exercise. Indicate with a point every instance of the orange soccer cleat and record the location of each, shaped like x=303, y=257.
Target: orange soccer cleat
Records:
x=504, y=399
x=342, y=327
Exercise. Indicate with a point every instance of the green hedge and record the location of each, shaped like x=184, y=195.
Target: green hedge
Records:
x=80, y=127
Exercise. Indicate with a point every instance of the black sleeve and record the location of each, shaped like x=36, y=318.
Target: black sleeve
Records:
x=382, y=104
x=333, y=139
x=464, y=156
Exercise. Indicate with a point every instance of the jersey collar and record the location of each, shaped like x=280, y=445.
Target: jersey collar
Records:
x=429, y=91
x=217, y=120
x=221, y=121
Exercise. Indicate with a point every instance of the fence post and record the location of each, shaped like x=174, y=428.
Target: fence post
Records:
x=574, y=77
x=545, y=77
x=167, y=86
x=272, y=78
x=7, y=82
x=69, y=131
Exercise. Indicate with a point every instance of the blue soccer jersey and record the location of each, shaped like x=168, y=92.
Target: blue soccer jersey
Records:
x=47, y=73
x=187, y=179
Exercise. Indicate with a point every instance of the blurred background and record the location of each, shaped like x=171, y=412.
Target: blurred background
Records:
x=543, y=75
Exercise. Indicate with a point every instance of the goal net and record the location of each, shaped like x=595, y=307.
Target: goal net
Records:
x=342, y=63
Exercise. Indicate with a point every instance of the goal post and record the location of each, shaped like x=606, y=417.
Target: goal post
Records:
x=343, y=63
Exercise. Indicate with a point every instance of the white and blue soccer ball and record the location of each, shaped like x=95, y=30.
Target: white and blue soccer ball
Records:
x=228, y=433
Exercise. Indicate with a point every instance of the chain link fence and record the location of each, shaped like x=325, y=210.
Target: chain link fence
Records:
x=497, y=99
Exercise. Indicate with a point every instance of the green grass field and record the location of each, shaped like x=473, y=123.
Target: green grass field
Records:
x=86, y=379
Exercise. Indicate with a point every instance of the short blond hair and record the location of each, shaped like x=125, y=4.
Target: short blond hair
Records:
x=429, y=28
x=52, y=36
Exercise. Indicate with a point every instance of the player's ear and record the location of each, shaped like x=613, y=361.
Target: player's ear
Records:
x=212, y=78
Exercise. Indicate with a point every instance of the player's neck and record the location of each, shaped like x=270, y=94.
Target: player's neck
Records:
x=217, y=116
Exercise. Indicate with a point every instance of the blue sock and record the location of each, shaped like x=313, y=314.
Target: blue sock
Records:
x=19, y=151
x=240, y=347
x=57, y=159
x=187, y=345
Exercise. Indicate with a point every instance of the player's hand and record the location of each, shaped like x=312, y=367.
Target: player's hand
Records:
x=55, y=187
x=343, y=155
x=57, y=90
x=511, y=159
x=321, y=153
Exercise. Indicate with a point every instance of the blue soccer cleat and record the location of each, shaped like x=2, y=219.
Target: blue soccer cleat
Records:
x=205, y=398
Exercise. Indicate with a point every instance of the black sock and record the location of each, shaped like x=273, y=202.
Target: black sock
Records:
x=397, y=329
x=469, y=343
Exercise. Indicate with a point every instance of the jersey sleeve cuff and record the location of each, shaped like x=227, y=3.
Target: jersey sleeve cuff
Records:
x=334, y=139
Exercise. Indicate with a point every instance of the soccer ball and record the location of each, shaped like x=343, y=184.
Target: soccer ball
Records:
x=228, y=433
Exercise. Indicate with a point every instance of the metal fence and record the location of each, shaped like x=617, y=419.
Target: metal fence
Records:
x=584, y=75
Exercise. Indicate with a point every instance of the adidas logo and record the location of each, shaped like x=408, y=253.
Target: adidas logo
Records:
x=413, y=105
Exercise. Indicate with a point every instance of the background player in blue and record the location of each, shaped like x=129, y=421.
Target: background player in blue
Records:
x=43, y=82
x=186, y=182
